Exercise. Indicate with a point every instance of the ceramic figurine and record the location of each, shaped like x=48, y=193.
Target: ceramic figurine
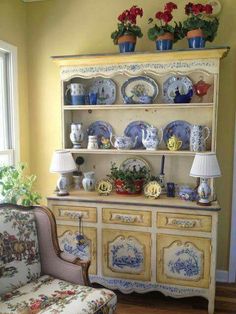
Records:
x=151, y=140
x=198, y=136
x=123, y=142
x=76, y=135
x=89, y=181
x=92, y=142
x=105, y=143
x=174, y=143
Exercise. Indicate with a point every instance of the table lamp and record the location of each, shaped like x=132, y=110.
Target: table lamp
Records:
x=205, y=166
x=63, y=163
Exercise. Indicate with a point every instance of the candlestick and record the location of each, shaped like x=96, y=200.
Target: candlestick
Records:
x=162, y=164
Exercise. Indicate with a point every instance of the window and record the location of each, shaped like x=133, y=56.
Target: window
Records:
x=9, y=134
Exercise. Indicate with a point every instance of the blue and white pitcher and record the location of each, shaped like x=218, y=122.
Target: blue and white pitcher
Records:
x=198, y=136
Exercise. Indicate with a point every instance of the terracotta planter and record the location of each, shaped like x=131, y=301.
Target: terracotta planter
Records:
x=127, y=43
x=165, y=41
x=121, y=189
x=196, y=39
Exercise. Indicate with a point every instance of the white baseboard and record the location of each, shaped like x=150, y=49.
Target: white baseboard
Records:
x=222, y=275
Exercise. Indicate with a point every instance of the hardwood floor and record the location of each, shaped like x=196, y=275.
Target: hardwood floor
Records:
x=156, y=303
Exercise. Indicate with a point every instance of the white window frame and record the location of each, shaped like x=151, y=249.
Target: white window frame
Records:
x=14, y=152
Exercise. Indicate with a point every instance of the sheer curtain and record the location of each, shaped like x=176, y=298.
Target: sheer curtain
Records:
x=6, y=152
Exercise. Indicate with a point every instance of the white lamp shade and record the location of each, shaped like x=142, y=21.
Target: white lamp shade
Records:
x=205, y=165
x=62, y=162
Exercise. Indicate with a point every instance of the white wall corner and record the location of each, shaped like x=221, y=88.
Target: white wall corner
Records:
x=222, y=275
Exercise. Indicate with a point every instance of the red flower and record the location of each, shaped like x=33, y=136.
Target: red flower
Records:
x=170, y=6
x=122, y=17
x=159, y=15
x=208, y=9
x=167, y=17
x=131, y=15
x=197, y=9
x=188, y=8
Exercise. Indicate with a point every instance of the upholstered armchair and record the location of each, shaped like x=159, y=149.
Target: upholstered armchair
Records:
x=35, y=275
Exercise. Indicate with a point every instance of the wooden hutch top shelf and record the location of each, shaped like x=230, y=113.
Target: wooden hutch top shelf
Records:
x=137, y=57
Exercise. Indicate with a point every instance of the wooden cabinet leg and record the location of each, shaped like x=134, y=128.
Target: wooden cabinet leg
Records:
x=211, y=305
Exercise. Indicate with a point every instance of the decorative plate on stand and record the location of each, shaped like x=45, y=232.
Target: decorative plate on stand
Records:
x=134, y=164
x=106, y=90
x=179, y=128
x=101, y=129
x=183, y=84
x=138, y=89
x=134, y=129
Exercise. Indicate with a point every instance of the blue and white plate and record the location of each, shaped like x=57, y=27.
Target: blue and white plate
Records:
x=138, y=89
x=134, y=129
x=101, y=129
x=183, y=84
x=106, y=90
x=179, y=128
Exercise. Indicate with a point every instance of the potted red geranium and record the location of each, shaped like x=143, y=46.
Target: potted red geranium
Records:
x=127, y=29
x=165, y=34
x=199, y=27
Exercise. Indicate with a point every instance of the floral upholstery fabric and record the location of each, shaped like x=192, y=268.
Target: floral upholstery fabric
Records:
x=19, y=250
x=49, y=295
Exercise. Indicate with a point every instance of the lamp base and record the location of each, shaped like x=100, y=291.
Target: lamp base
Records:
x=204, y=193
x=62, y=193
x=204, y=203
x=62, y=185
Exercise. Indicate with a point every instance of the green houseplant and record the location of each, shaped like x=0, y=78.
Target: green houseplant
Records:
x=199, y=26
x=128, y=181
x=127, y=29
x=16, y=187
x=165, y=34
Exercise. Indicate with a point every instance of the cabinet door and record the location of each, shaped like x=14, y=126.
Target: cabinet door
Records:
x=183, y=260
x=70, y=244
x=126, y=254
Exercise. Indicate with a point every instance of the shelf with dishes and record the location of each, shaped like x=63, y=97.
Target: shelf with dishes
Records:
x=194, y=89
x=139, y=106
x=132, y=152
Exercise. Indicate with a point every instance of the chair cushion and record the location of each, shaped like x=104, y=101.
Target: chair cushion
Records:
x=49, y=295
x=19, y=250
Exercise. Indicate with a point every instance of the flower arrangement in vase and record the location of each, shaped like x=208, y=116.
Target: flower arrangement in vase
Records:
x=199, y=27
x=128, y=181
x=165, y=34
x=127, y=29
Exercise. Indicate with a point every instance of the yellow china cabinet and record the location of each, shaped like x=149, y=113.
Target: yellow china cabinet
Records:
x=136, y=243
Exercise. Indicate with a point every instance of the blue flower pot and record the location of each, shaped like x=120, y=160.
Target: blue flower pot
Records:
x=196, y=42
x=164, y=44
x=127, y=43
x=127, y=47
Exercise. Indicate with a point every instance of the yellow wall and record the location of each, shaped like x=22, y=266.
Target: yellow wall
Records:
x=13, y=30
x=58, y=27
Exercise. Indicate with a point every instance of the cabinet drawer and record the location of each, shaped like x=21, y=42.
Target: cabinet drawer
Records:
x=72, y=213
x=184, y=222
x=126, y=217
